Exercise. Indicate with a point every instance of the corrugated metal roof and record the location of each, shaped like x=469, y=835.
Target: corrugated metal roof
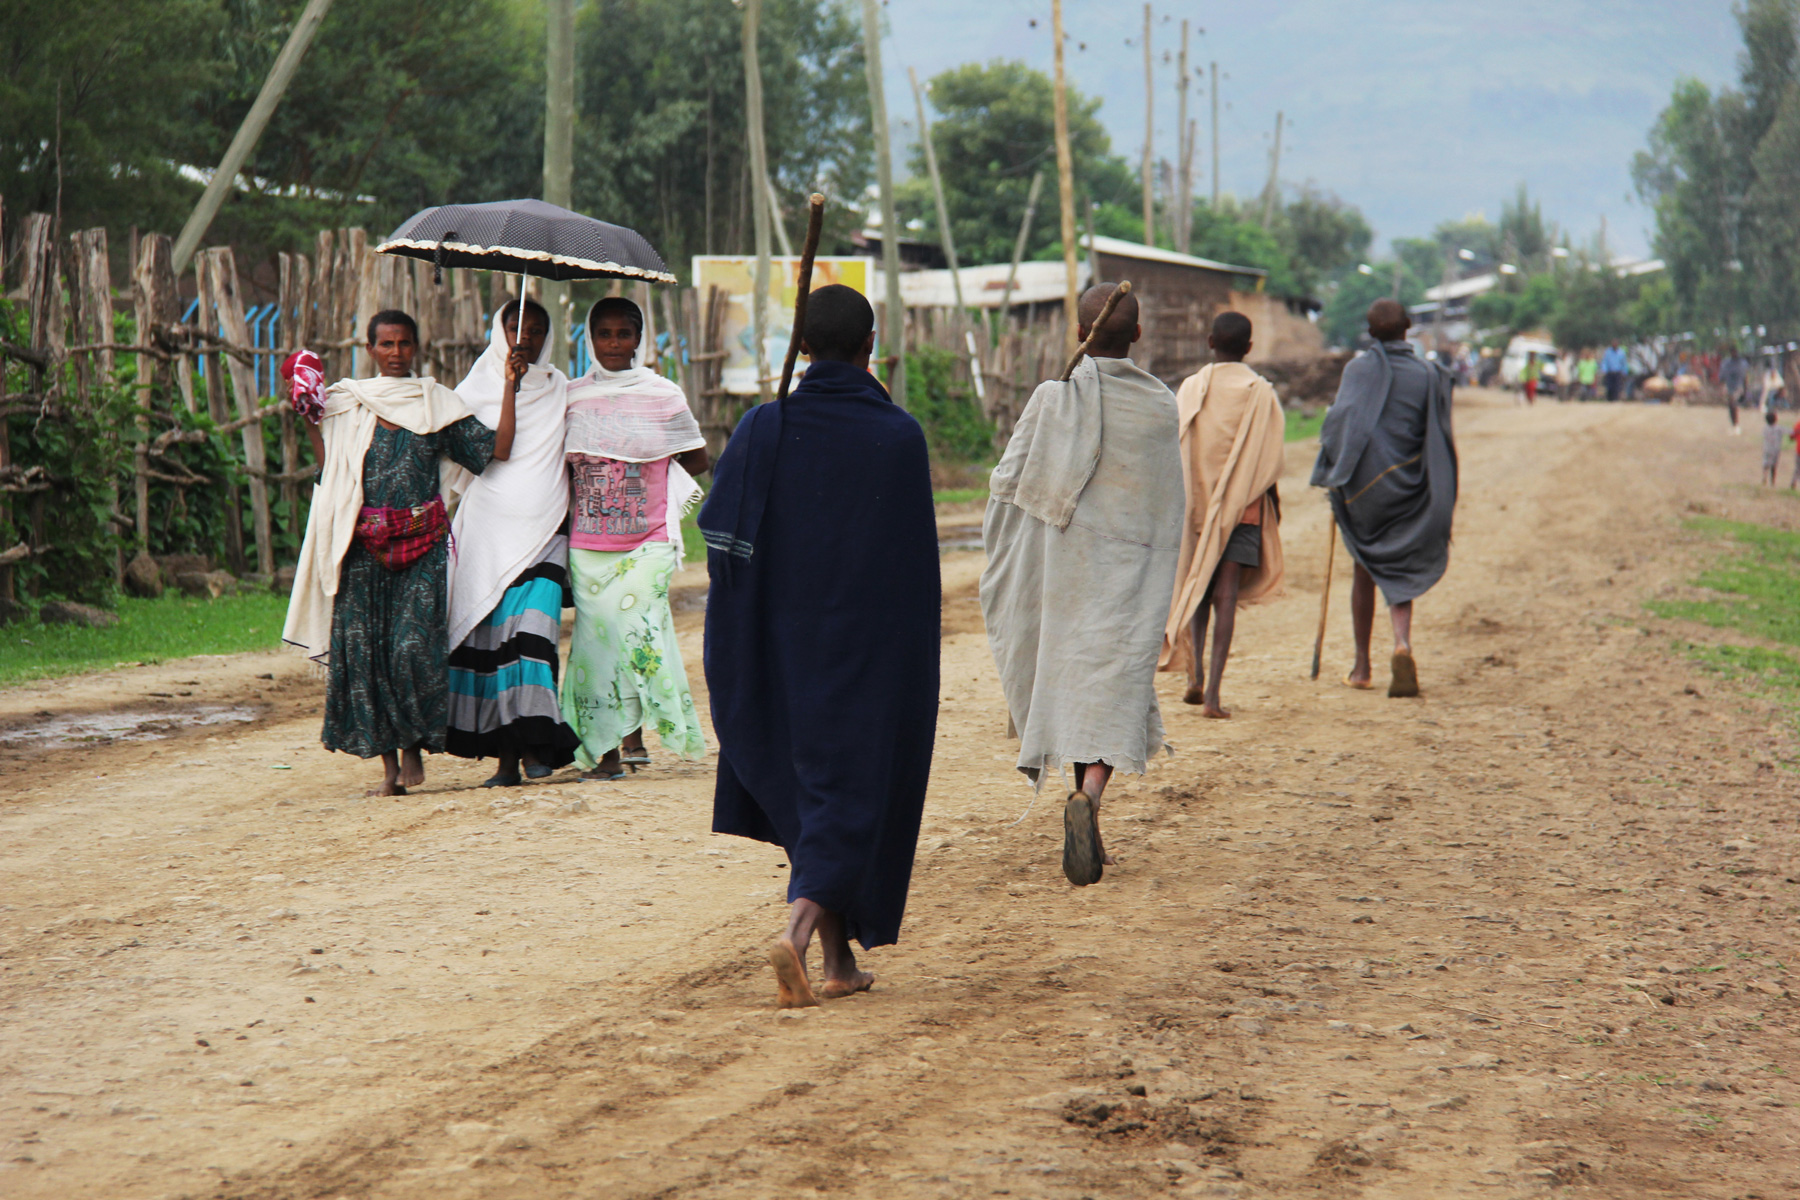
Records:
x=1121, y=248
x=983, y=287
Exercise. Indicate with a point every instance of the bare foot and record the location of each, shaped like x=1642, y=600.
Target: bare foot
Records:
x=412, y=768
x=837, y=989
x=1359, y=679
x=1216, y=713
x=1406, y=675
x=1195, y=695
x=387, y=788
x=792, y=989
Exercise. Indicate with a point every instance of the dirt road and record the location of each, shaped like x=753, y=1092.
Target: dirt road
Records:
x=1526, y=933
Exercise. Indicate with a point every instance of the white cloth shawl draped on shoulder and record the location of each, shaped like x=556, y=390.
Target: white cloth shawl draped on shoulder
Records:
x=419, y=404
x=636, y=415
x=511, y=512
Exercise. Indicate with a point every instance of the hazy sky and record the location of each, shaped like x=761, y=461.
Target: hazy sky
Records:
x=1416, y=111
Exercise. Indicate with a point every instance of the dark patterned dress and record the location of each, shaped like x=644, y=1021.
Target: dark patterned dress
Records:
x=389, y=676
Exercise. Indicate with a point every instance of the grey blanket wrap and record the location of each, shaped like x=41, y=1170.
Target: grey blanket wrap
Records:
x=1388, y=457
x=1083, y=532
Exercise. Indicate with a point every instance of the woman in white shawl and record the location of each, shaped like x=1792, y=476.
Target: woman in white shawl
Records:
x=508, y=573
x=368, y=599
x=633, y=448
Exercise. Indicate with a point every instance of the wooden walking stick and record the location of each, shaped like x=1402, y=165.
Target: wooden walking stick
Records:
x=1112, y=302
x=815, y=219
x=1325, y=593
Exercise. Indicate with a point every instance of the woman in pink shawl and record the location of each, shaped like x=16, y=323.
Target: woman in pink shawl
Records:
x=633, y=448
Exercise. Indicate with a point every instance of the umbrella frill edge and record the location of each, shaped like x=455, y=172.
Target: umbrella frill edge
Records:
x=561, y=260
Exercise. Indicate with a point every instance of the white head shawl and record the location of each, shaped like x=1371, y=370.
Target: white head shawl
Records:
x=511, y=516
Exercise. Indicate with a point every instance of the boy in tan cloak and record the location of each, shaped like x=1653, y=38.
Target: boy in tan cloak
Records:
x=1232, y=432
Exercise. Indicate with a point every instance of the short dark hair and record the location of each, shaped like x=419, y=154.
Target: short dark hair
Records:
x=1231, y=333
x=511, y=309
x=1388, y=320
x=393, y=316
x=1771, y=416
x=839, y=321
x=1117, y=331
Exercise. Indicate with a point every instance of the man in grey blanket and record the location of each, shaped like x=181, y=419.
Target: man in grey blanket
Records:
x=1083, y=533
x=1387, y=456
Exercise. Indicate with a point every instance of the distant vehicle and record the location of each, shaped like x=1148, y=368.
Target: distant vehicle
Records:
x=1512, y=363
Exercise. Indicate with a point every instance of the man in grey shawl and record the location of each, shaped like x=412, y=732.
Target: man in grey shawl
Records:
x=1083, y=533
x=1388, y=458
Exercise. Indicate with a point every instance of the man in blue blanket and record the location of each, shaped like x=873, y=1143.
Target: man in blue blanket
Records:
x=822, y=645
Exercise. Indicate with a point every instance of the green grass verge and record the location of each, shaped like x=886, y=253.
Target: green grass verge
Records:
x=959, y=495
x=148, y=631
x=1755, y=589
x=1300, y=426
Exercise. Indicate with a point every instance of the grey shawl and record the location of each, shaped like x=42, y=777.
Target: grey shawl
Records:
x=1083, y=532
x=1387, y=455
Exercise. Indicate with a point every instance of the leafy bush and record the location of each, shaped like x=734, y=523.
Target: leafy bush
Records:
x=954, y=424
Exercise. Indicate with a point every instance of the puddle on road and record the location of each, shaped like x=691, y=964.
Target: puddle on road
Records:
x=52, y=731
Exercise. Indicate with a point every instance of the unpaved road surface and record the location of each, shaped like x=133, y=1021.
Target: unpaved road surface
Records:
x=1529, y=934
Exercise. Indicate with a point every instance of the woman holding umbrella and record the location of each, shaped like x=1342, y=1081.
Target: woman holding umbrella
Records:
x=509, y=570
x=633, y=448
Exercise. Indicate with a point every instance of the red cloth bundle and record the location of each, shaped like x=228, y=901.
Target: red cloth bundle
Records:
x=306, y=375
x=398, y=537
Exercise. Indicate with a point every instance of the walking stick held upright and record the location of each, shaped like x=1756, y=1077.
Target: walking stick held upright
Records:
x=1325, y=592
x=1112, y=302
x=815, y=219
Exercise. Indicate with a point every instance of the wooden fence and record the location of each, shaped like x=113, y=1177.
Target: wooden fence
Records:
x=199, y=350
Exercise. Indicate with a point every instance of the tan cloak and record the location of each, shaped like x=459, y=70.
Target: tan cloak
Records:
x=1232, y=435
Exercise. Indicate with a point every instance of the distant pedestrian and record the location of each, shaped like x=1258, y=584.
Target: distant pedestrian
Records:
x=1734, y=373
x=1772, y=439
x=1614, y=370
x=1529, y=376
x=1587, y=375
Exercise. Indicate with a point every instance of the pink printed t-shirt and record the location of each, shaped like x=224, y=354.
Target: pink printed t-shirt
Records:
x=617, y=505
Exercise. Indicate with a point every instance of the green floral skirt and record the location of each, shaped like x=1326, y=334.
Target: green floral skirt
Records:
x=625, y=670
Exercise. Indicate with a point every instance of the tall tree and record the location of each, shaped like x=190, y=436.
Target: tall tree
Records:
x=661, y=139
x=993, y=131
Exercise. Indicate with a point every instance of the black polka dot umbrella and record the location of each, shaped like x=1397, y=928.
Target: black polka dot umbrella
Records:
x=526, y=237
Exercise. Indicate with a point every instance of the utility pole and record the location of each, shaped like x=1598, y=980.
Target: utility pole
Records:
x=1065, y=186
x=1149, y=134
x=1271, y=192
x=1012, y=275
x=1184, y=200
x=1215, y=137
x=937, y=190
x=255, y=121
x=759, y=196
x=559, y=155
x=893, y=313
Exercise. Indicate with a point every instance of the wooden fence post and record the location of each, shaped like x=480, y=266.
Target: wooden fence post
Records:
x=295, y=325
x=229, y=305
x=154, y=302
x=207, y=320
x=92, y=293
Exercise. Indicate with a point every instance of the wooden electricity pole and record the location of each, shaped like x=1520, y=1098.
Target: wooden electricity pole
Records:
x=1184, y=187
x=1273, y=190
x=893, y=312
x=759, y=195
x=1149, y=135
x=1215, y=135
x=559, y=153
x=1065, y=186
x=255, y=121
x=937, y=190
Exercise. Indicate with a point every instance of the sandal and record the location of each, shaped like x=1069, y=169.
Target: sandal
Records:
x=498, y=779
x=539, y=771
x=598, y=776
x=1084, y=862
